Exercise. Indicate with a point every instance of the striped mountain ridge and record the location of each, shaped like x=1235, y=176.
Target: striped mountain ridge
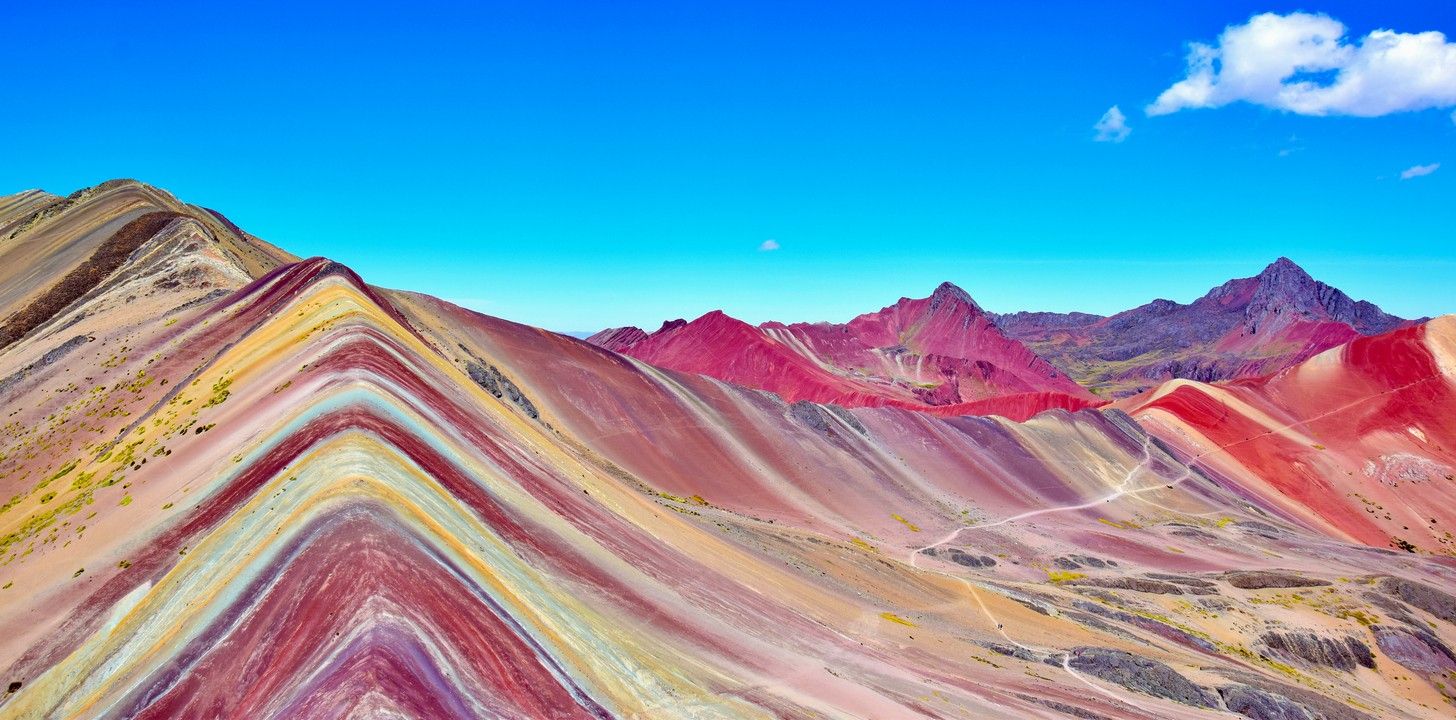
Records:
x=940, y=354
x=273, y=490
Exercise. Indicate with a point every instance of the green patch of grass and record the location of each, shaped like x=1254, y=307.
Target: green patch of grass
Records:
x=220, y=392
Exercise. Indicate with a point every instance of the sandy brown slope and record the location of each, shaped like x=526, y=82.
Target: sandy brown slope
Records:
x=54, y=250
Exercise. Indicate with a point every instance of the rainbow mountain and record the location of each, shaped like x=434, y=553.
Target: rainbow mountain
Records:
x=242, y=484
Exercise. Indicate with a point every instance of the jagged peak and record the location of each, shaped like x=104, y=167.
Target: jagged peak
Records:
x=1283, y=271
x=670, y=325
x=1285, y=278
x=949, y=292
x=1285, y=286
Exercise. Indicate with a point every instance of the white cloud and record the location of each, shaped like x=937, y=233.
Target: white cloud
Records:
x=1419, y=170
x=768, y=246
x=1304, y=64
x=1112, y=127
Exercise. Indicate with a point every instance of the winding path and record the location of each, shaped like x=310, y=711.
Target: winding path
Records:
x=1121, y=490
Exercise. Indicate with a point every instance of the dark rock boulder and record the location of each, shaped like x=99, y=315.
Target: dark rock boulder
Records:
x=808, y=413
x=961, y=557
x=1076, y=562
x=1259, y=705
x=1140, y=674
x=1319, y=707
x=847, y=418
x=1436, y=602
x=494, y=382
x=1064, y=708
x=1192, y=533
x=1260, y=579
x=1196, y=586
x=1161, y=629
x=1262, y=529
x=1392, y=607
x=1415, y=648
x=819, y=417
x=1015, y=651
x=1136, y=584
x=1339, y=653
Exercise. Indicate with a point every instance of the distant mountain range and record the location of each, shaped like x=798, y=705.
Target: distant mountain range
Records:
x=942, y=353
x=1242, y=328
x=946, y=355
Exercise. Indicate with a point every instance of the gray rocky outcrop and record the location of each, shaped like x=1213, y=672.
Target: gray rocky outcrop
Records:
x=1260, y=579
x=1140, y=674
x=1340, y=653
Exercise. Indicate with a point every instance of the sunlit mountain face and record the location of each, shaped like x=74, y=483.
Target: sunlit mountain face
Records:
x=1244, y=328
x=237, y=483
x=942, y=354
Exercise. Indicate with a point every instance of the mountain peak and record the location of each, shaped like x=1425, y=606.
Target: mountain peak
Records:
x=949, y=292
x=1285, y=289
x=1284, y=271
x=711, y=323
x=716, y=317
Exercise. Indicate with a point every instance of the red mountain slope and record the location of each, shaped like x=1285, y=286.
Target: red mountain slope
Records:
x=1358, y=439
x=942, y=354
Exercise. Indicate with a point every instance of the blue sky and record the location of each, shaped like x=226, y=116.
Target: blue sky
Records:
x=582, y=165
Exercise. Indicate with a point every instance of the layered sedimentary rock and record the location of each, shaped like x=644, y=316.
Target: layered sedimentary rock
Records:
x=1244, y=328
x=1358, y=441
x=940, y=354
x=242, y=485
